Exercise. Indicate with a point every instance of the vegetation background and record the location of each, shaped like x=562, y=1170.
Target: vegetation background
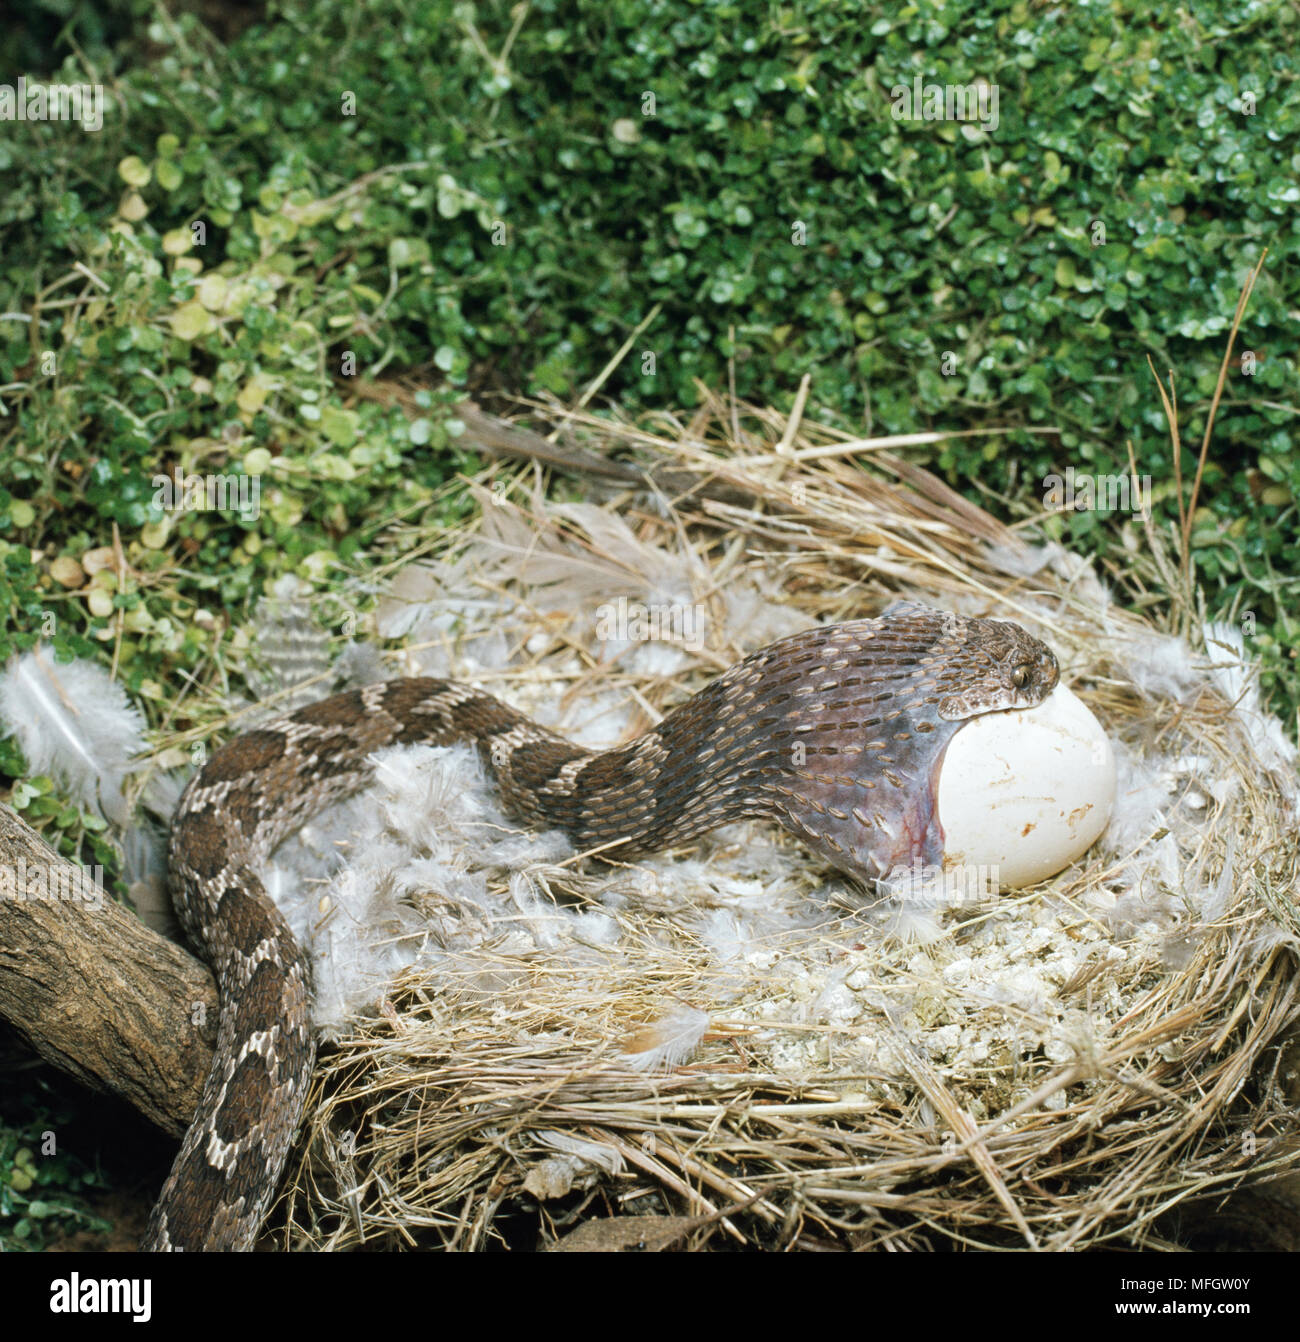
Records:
x=493, y=197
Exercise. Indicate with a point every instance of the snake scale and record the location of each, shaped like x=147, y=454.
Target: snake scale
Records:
x=836, y=733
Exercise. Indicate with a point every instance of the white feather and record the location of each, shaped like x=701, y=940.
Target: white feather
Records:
x=908, y=922
x=398, y=874
x=667, y=1041
x=1237, y=679
x=1142, y=796
x=144, y=869
x=162, y=792
x=1162, y=666
x=604, y=1157
x=1022, y=561
x=74, y=724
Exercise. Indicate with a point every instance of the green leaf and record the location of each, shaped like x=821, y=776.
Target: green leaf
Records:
x=168, y=174
x=340, y=426
x=134, y=172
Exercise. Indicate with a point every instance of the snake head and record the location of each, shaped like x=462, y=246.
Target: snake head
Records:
x=1001, y=666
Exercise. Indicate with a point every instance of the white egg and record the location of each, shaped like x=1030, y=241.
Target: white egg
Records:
x=1024, y=792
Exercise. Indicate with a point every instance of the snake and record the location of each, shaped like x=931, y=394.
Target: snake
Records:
x=836, y=733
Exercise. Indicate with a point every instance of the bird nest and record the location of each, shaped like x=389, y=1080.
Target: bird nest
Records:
x=730, y=1043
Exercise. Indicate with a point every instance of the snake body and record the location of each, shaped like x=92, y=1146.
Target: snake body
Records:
x=837, y=733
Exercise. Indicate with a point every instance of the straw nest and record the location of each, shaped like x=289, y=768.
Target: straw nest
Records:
x=728, y=1043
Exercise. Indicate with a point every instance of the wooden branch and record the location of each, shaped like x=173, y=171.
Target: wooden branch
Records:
x=96, y=992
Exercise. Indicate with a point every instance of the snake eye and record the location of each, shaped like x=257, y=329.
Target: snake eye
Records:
x=1020, y=677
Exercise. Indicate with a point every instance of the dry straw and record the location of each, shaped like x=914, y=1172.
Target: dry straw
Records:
x=501, y=1107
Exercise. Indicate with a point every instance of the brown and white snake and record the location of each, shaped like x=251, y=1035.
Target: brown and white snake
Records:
x=837, y=733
